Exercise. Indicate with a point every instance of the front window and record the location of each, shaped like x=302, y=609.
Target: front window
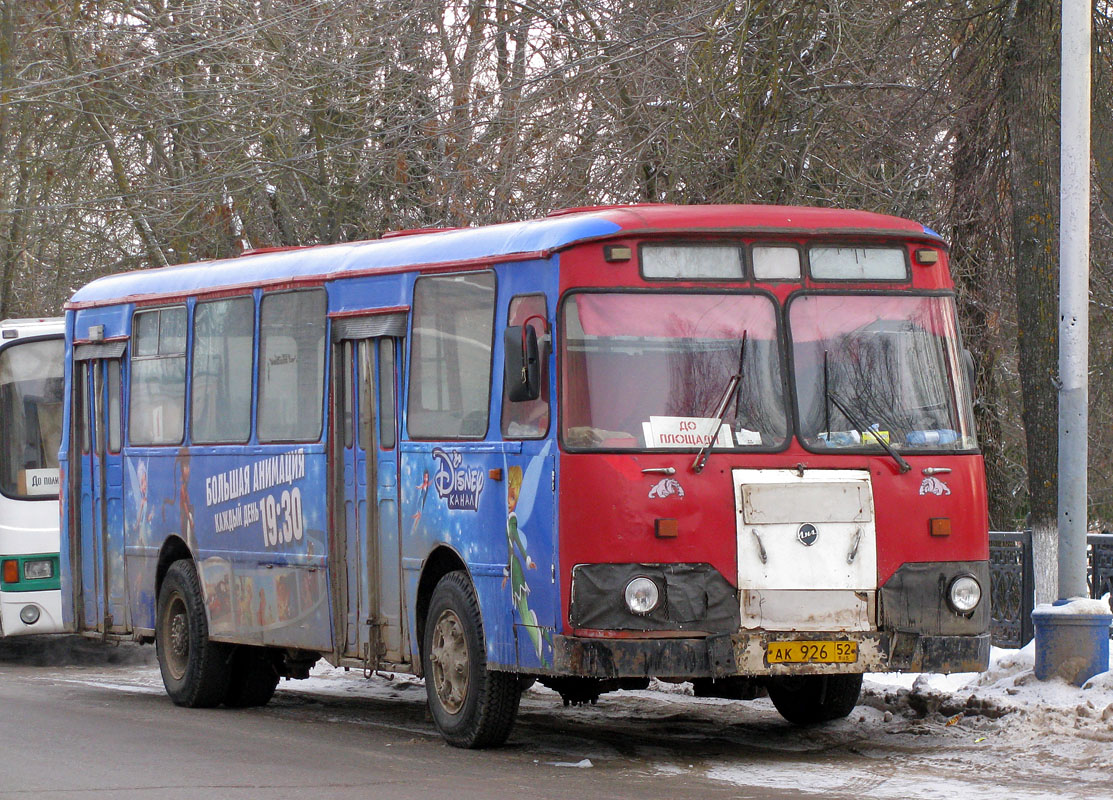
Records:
x=652, y=371
x=879, y=367
x=30, y=418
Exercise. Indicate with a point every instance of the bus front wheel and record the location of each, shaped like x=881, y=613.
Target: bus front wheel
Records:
x=471, y=705
x=194, y=669
x=811, y=699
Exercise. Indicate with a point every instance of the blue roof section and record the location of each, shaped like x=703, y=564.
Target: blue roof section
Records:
x=491, y=241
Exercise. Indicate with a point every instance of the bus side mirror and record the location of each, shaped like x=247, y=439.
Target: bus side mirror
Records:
x=522, y=367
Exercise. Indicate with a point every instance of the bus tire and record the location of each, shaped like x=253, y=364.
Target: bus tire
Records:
x=195, y=670
x=253, y=678
x=812, y=699
x=471, y=705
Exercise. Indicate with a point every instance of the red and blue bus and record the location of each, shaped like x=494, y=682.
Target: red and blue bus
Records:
x=731, y=445
x=31, y=390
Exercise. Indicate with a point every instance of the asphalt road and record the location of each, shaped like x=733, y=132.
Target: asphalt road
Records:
x=79, y=719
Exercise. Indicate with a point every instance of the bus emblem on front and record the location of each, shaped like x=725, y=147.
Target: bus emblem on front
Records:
x=807, y=534
x=932, y=485
x=667, y=487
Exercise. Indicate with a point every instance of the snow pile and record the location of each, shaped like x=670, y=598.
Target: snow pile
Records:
x=1079, y=605
x=1009, y=686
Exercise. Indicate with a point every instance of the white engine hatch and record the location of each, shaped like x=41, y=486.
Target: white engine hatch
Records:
x=807, y=549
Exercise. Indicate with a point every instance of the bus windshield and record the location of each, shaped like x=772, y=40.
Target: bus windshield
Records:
x=879, y=368
x=30, y=418
x=651, y=371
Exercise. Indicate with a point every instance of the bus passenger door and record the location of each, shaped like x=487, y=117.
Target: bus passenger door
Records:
x=379, y=359
x=366, y=563
x=101, y=521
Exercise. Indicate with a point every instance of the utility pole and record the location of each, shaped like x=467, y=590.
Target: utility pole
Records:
x=1072, y=634
x=1074, y=296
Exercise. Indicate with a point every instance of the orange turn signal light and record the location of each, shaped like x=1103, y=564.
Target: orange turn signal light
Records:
x=940, y=526
x=666, y=528
x=11, y=571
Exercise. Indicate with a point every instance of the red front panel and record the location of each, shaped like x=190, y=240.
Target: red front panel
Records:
x=608, y=509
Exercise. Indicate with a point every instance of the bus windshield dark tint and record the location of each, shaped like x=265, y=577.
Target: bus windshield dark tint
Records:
x=30, y=418
x=647, y=371
x=879, y=367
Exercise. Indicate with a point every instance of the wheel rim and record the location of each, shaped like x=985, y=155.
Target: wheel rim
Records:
x=177, y=637
x=449, y=656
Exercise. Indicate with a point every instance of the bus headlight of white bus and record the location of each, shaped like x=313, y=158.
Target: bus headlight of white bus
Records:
x=642, y=595
x=964, y=594
x=36, y=569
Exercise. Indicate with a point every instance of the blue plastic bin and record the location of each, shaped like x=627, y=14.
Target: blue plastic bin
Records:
x=1071, y=646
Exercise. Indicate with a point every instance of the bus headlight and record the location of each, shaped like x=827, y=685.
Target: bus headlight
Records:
x=642, y=596
x=964, y=594
x=29, y=615
x=38, y=568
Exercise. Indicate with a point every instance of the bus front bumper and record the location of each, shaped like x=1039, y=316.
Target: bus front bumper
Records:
x=47, y=612
x=744, y=654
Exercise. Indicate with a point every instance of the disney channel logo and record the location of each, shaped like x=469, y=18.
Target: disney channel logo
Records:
x=458, y=485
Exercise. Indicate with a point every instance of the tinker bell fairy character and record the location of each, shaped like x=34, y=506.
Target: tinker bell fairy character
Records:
x=515, y=545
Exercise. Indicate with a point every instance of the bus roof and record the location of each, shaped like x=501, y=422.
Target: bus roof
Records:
x=31, y=326
x=460, y=246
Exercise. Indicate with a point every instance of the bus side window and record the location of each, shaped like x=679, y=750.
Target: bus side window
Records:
x=528, y=419
x=156, y=413
x=291, y=366
x=450, y=365
x=114, y=416
x=388, y=403
x=223, y=343
x=81, y=398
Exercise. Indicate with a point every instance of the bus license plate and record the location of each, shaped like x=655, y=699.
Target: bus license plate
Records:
x=812, y=652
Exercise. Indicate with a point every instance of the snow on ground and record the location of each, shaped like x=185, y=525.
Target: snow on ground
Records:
x=1008, y=688
x=932, y=737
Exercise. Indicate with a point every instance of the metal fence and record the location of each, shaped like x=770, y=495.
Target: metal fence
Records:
x=1012, y=585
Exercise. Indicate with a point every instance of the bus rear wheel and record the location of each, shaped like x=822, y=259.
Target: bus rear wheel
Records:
x=812, y=699
x=471, y=705
x=253, y=677
x=194, y=669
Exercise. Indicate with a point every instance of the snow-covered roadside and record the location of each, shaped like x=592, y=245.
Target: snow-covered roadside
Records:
x=1008, y=687
x=932, y=737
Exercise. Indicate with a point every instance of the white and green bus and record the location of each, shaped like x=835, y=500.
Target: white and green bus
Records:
x=31, y=381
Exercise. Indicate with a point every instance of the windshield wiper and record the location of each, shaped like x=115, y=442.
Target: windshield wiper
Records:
x=721, y=408
x=830, y=397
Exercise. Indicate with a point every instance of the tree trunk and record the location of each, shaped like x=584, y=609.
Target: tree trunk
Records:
x=980, y=261
x=1031, y=96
